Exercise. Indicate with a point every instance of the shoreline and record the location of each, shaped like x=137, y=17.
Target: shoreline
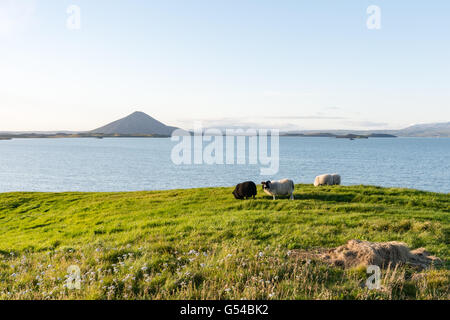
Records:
x=297, y=188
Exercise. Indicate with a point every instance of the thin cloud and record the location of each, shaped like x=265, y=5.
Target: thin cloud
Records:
x=310, y=117
x=332, y=108
x=285, y=123
x=369, y=124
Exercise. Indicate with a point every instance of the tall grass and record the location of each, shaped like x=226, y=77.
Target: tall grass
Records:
x=203, y=244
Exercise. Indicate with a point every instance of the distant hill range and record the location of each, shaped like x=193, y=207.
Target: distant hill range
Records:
x=426, y=130
x=441, y=130
x=137, y=123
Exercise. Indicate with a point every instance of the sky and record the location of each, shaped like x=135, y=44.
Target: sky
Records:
x=287, y=64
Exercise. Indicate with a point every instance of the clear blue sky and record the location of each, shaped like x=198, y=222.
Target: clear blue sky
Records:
x=288, y=63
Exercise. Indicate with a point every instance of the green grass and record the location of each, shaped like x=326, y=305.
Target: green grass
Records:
x=204, y=244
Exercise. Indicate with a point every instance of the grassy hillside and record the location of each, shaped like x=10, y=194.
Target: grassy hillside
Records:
x=203, y=244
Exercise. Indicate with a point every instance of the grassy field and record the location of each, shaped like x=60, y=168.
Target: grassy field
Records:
x=203, y=244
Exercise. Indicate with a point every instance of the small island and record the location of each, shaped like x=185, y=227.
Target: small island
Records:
x=350, y=136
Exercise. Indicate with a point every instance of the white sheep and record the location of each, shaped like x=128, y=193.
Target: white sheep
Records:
x=327, y=180
x=323, y=180
x=284, y=187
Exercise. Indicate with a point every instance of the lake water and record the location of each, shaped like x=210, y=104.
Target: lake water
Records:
x=129, y=164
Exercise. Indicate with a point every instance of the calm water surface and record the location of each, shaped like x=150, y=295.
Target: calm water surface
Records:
x=129, y=164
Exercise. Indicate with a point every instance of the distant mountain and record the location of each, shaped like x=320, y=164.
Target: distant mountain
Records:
x=441, y=130
x=141, y=124
x=426, y=130
x=137, y=123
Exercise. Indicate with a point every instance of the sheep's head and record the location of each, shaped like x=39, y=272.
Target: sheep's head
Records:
x=266, y=185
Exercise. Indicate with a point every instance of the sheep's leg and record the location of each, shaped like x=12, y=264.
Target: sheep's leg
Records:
x=273, y=197
x=292, y=196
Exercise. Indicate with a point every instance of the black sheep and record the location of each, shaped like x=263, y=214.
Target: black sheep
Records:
x=245, y=190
